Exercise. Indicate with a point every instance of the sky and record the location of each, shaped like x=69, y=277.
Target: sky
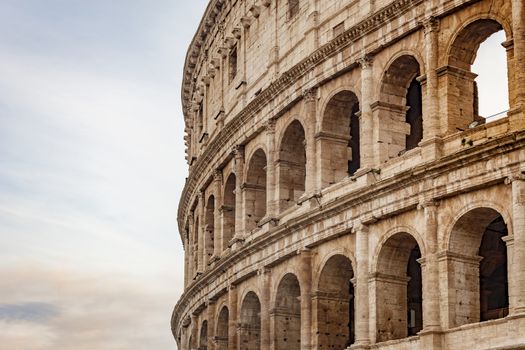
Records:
x=91, y=170
x=92, y=166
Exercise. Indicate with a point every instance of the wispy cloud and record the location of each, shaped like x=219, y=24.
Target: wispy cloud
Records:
x=91, y=168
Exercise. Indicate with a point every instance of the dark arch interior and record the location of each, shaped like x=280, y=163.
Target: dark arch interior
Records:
x=399, y=289
x=250, y=323
x=340, y=141
x=228, y=210
x=222, y=329
x=335, y=305
x=210, y=227
x=292, y=165
x=255, y=190
x=287, y=314
x=203, y=339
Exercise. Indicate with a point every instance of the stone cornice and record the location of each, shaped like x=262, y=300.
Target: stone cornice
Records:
x=490, y=149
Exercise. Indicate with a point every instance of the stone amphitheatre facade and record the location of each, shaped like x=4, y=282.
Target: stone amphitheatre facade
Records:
x=343, y=190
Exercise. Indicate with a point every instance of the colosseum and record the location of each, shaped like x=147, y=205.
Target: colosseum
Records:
x=344, y=192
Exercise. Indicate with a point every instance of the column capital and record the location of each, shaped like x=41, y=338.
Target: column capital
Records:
x=366, y=61
x=427, y=203
x=269, y=125
x=430, y=24
x=518, y=176
x=238, y=151
x=263, y=271
x=200, y=195
x=217, y=175
x=311, y=94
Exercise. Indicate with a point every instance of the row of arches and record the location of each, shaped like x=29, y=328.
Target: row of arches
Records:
x=339, y=140
x=476, y=275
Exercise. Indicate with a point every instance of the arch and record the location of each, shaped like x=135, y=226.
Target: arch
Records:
x=339, y=140
x=286, y=314
x=477, y=250
x=400, y=106
x=203, y=338
x=209, y=228
x=291, y=165
x=462, y=99
x=255, y=189
x=222, y=329
x=334, y=304
x=398, y=285
x=250, y=323
x=228, y=211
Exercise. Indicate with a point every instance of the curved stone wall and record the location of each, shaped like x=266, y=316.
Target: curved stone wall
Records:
x=344, y=190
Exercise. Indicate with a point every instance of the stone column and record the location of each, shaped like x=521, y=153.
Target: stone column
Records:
x=430, y=271
x=431, y=125
x=200, y=231
x=271, y=176
x=264, y=284
x=217, y=217
x=232, y=317
x=366, y=118
x=194, y=332
x=191, y=249
x=310, y=112
x=518, y=29
x=238, y=154
x=305, y=275
x=186, y=259
x=211, y=324
x=362, y=309
x=516, y=275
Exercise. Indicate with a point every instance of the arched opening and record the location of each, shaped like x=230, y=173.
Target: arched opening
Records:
x=339, y=138
x=334, y=300
x=203, y=339
x=287, y=314
x=398, y=285
x=255, y=190
x=477, y=271
x=491, y=93
x=291, y=165
x=464, y=85
x=209, y=227
x=228, y=211
x=250, y=323
x=400, y=108
x=222, y=330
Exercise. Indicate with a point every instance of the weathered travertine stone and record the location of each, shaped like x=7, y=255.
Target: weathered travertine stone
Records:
x=343, y=190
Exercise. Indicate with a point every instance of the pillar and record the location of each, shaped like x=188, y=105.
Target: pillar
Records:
x=310, y=112
x=362, y=312
x=305, y=275
x=238, y=154
x=271, y=176
x=430, y=271
x=232, y=317
x=264, y=285
x=194, y=332
x=211, y=324
x=366, y=118
x=516, y=275
x=200, y=231
x=187, y=255
x=217, y=215
x=431, y=127
x=191, y=248
x=518, y=29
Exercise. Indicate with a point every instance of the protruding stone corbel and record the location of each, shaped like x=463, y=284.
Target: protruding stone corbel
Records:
x=266, y=3
x=223, y=51
x=236, y=32
x=255, y=10
x=229, y=42
x=246, y=21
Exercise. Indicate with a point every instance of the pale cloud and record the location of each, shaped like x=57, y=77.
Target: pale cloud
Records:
x=91, y=168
